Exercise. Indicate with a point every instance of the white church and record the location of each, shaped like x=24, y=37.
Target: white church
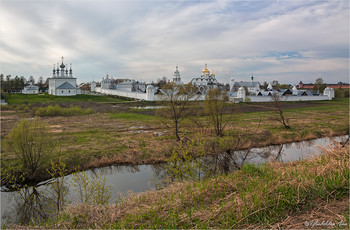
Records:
x=62, y=82
x=205, y=82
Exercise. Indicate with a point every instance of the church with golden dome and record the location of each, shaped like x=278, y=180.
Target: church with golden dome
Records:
x=206, y=81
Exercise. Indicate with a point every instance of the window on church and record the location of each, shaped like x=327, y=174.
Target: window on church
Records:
x=62, y=91
x=68, y=91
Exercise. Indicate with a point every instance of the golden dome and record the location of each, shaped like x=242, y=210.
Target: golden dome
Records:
x=205, y=70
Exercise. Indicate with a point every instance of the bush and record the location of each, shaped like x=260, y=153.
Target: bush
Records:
x=91, y=190
x=32, y=144
x=340, y=93
x=53, y=111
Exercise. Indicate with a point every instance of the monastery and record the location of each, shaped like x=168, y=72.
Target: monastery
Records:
x=239, y=91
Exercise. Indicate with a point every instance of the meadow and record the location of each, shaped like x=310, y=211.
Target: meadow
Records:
x=110, y=131
x=97, y=131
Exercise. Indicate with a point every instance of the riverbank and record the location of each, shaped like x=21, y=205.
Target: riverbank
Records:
x=284, y=195
x=126, y=136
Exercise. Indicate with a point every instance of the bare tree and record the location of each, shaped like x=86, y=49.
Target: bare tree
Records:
x=177, y=98
x=276, y=100
x=31, y=80
x=41, y=83
x=215, y=107
x=275, y=84
x=319, y=84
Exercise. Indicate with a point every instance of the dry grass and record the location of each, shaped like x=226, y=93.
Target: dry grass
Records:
x=271, y=196
x=105, y=139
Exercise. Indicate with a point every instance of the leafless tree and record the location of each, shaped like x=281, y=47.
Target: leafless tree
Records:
x=178, y=99
x=280, y=117
x=215, y=107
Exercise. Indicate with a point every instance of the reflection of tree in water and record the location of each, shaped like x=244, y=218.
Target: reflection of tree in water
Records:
x=225, y=162
x=228, y=162
x=30, y=205
x=160, y=177
x=111, y=170
x=270, y=153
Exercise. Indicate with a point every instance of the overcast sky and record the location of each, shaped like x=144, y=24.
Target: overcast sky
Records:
x=280, y=40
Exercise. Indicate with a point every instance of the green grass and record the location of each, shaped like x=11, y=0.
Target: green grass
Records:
x=15, y=99
x=115, y=134
x=129, y=116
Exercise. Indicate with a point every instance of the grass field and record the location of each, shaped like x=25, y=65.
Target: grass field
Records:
x=129, y=136
x=15, y=99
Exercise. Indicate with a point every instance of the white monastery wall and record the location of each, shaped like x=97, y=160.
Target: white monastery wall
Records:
x=289, y=98
x=137, y=95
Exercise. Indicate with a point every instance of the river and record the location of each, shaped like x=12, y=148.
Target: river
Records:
x=27, y=204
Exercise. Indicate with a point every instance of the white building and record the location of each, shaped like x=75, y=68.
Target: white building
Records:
x=127, y=85
x=93, y=86
x=62, y=82
x=252, y=86
x=205, y=82
x=30, y=89
x=107, y=83
x=177, y=78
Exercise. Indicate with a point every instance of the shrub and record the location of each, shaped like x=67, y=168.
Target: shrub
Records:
x=91, y=190
x=57, y=110
x=341, y=93
x=32, y=144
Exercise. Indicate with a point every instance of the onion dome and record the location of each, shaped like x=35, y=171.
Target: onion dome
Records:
x=205, y=70
x=62, y=65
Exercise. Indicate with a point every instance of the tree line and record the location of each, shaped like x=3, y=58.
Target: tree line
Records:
x=16, y=84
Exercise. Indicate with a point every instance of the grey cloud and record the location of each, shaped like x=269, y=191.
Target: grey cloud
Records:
x=147, y=39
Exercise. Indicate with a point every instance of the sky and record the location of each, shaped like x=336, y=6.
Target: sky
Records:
x=284, y=40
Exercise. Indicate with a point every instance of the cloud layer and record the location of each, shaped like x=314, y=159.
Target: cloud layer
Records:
x=286, y=41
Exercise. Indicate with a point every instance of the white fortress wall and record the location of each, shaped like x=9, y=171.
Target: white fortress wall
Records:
x=136, y=95
x=289, y=98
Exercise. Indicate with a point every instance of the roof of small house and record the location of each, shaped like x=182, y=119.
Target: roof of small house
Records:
x=66, y=85
x=247, y=84
x=304, y=93
x=285, y=91
x=31, y=87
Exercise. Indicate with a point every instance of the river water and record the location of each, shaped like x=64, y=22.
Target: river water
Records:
x=27, y=204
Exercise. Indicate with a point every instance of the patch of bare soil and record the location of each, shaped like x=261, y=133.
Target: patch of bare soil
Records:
x=56, y=128
x=327, y=215
x=9, y=119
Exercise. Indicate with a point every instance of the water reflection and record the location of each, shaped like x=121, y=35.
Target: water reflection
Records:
x=229, y=161
x=37, y=203
x=28, y=205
